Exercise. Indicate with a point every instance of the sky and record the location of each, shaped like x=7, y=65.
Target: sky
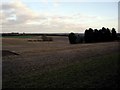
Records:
x=57, y=16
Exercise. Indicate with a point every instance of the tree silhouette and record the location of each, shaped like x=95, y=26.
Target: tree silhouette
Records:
x=108, y=34
x=103, y=34
x=72, y=38
x=89, y=35
x=86, y=37
x=114, y=34
x=96, y=35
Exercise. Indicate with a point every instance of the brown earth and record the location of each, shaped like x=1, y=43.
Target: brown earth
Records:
x=39, y=57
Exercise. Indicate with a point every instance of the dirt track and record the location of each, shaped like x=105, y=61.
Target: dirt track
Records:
x=44, y=56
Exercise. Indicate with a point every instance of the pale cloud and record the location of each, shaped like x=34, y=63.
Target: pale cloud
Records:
x=16, y=16
x=56, y=3
x=21, y=12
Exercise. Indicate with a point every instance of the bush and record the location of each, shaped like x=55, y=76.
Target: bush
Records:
x=45, y=38
x=72, y=38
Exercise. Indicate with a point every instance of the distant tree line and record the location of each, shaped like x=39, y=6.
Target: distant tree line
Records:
x=34, y=34
x=90, y=36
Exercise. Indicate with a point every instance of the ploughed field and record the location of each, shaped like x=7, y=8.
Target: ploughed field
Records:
x=58, y=64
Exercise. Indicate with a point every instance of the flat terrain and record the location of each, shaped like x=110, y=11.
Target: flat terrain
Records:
x=59, y=64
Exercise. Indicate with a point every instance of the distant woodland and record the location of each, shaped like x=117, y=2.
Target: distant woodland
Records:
x=94, y=35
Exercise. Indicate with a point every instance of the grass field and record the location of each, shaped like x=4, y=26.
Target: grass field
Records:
x=58, y=64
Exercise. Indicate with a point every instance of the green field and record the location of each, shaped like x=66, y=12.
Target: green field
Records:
x=93, y=72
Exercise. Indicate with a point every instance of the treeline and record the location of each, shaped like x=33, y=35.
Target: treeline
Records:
x=34, y=34
x=90, y=36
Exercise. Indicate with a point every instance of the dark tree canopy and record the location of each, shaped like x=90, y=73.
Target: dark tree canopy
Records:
x=96, y=35
x=114, y=34
x=101, y=35
x=72, y=38
x=90, y=35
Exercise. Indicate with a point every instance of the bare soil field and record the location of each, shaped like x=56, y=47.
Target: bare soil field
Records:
x=41, y=57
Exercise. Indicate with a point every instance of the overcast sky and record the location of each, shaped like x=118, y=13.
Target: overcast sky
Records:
x=57, y=16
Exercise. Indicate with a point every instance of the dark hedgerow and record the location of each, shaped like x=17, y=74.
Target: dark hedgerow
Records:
x=90, y=36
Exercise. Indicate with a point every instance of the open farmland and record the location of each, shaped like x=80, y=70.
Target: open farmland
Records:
x=59, y=64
